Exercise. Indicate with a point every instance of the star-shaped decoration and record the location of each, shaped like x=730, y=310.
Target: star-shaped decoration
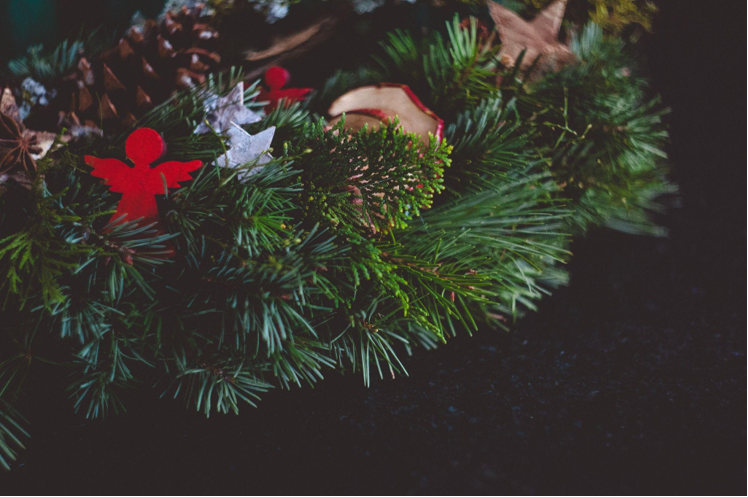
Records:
x=247, y=149
x=538, y=37
x=20, y=148
x=221, y=112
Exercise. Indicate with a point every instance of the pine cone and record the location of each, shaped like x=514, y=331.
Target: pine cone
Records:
x=146, y=67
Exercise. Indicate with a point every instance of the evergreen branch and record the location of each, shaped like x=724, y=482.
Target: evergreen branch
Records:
x=373, y=180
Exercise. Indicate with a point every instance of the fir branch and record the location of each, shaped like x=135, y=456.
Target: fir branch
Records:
x=448, y=73
x=372, y=180
x=214, y=382
x=46, y=66
x=608, y=136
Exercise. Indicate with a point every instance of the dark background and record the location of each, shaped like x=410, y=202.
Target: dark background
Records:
x=630, y=380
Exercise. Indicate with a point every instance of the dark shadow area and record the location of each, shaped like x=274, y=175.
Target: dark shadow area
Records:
x=632, y=380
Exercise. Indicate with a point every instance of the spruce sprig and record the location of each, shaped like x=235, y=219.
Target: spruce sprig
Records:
x=372, y=179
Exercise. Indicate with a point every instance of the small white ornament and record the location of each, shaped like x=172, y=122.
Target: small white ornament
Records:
x=247, y=149
x=221, y=112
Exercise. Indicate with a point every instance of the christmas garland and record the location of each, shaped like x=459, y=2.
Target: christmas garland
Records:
x=166, y=220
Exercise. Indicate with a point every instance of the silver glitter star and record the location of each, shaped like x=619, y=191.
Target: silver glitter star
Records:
x=221, y=112
x=247, y=149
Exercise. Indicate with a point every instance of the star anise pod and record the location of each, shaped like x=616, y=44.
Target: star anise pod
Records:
x=16, y=146
x=19, y=147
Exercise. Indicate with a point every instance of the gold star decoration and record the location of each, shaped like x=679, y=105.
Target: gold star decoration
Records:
x=538, y=38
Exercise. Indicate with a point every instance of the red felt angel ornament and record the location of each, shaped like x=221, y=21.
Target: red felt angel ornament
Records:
x=140, y=184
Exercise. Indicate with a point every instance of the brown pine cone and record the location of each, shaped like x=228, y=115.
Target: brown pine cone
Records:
x=146, y=67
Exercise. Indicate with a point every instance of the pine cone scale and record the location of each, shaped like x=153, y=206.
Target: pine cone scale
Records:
x=146, y=67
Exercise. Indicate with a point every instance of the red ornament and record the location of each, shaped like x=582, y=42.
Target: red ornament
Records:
x=275, y=79
x=139, y=185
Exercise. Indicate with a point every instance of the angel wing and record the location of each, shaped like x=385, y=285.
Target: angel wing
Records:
x=116, y=173
x=170, y=174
